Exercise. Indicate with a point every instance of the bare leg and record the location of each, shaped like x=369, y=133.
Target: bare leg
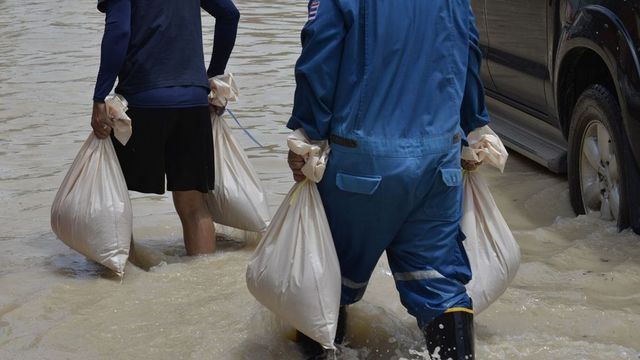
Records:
x=197, y=226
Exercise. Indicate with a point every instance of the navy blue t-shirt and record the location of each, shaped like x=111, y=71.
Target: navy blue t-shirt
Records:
x=157, y=55
x=165, y=48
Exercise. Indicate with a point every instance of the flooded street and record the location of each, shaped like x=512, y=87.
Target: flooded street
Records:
x=576, y=296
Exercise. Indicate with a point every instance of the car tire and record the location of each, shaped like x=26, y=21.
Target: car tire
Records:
x=600, y=165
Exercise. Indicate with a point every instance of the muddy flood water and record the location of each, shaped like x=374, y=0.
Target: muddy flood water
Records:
x=576, y=296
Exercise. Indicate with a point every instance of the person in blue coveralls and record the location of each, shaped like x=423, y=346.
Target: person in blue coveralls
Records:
x=394, y=86
x=155, y=50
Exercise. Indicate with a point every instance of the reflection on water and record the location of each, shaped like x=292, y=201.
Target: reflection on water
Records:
x=577, y=295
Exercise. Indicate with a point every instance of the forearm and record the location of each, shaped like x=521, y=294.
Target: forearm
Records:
x=115, y=42
x=227, y=18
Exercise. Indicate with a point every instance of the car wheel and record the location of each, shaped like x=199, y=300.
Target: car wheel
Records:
x=596, y=157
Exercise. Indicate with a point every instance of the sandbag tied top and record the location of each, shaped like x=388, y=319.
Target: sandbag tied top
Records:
x=223, y=90
x=493, y=252
x=91, y=212
x=315, y=154
x=485, y=146
x=117, y=108
x=238, y=199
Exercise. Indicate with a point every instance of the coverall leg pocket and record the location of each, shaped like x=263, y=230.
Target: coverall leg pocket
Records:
x=366, y=185
x=444, y=201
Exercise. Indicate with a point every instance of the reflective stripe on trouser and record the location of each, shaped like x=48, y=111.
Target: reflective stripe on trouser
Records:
x=410, y=207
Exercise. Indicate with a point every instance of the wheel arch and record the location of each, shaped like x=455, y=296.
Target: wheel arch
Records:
x=597, y=49
x=574, y=79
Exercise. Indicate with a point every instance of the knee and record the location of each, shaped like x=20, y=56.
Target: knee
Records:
x=190, y=204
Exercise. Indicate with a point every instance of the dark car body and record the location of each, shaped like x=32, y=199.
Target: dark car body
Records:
x=540, y=55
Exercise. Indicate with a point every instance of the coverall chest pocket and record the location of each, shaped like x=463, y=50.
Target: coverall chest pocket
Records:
x=365, y=185
x=444, y=201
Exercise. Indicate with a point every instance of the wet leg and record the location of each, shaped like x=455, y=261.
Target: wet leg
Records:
x=197, y=226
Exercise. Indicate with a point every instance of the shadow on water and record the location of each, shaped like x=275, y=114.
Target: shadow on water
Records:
x=75, y=266
x=227, y=243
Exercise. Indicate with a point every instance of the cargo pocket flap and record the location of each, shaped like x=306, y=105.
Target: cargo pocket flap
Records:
x=451, y=177
x=358, y=184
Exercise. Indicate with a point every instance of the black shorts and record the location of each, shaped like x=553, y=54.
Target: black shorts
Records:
x=175, y=142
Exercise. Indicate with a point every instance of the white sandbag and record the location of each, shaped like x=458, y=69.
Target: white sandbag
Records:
x=91, y=212
x=493, y=252
x=238, y=199
x=295, y=271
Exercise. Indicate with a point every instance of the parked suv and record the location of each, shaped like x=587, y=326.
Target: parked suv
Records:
x=563, y=88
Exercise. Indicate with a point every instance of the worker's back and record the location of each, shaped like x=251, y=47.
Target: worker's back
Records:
x=388, y=74
x=406, y=61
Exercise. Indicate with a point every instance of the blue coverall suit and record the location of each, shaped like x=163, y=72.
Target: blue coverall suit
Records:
x=394, y=86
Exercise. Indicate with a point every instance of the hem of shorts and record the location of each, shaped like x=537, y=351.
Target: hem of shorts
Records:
x=168, y=106
x=172, y=189
x=146, y=191
x=134, y=89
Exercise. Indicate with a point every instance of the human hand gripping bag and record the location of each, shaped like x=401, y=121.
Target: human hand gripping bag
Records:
x=91, y=212
x=493, y=252
x=294, y=271
x=238, y=199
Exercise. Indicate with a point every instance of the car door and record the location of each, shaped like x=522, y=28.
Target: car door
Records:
x=518, y=52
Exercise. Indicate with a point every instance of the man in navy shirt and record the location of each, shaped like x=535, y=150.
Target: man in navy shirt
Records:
x=154, y=48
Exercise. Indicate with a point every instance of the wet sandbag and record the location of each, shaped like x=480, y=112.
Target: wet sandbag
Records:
x=294, y=271
x=238, y=199
x=493, y=252
x=91, y=212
